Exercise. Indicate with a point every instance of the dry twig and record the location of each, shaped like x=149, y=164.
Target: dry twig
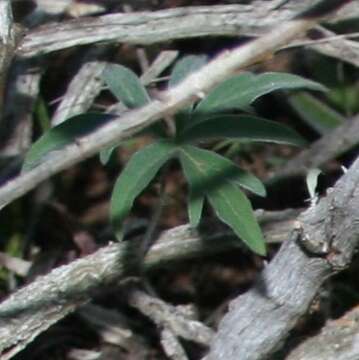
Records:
x=328, y=147
x=171, y=317
x=324, y=242
x=170, y=101
x=53, y=296
x=144, y=28
x=337, y=340
x=32, y=309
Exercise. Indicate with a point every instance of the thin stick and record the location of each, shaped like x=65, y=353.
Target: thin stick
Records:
x=170, y=101
x=145, y=28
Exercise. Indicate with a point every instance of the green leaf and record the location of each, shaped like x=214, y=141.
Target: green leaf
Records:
x=139, y=171
x=125, y=85
x=240, y=91
x=315, y=113
x=206, y=178
x=64, y=134
x=186, y=66
x=234, y=209
x=195, y=208
x=244, y=127
x=155, y=131
x=181, y=70
x=105, y=154
x=345, y=97
x=42, y=114
x=312, y=181
x=234, y=93
x=214, y=169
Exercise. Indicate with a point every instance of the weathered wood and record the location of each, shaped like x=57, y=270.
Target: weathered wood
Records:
x=258, y=321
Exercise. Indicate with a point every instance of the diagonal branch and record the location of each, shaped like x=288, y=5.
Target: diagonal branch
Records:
x=337, y=340
x=34, y=308
x=260, y=319
x=328, y=147
x=169, y=102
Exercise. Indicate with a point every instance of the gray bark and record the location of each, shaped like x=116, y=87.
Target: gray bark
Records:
x=260, y=320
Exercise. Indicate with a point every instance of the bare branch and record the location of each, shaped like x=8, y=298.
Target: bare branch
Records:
x=146, y=28
x=76, y=281
x=83, y=88
x=344, y=49
x=336, y=341
x=87, y=83
x=260, y=319
x=22, y=89
x=170, y=101
x=328, y=147
x=166, y=315
x=172, y=347
x=112, y=326
x=7, y=40
x=6, y=23
x=34, y=308
x=162, y=61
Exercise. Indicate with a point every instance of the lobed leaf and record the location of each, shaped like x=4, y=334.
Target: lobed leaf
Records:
x=137, y=174
x=244, y=127
x=125, y=85
x=61, y=135
x=229, y=202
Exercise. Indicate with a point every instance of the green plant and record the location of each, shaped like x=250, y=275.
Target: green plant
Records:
x=315, y=112
x=222, y=114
